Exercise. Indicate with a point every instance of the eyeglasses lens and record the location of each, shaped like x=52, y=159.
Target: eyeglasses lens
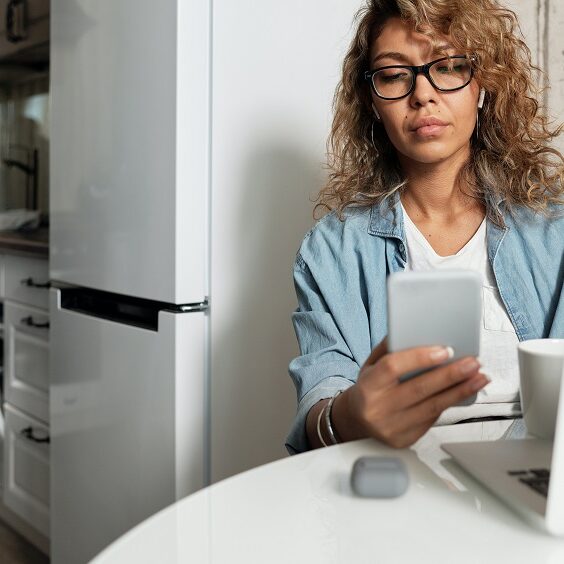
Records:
x=448, y=74
x=451, y=74
x=393, y=83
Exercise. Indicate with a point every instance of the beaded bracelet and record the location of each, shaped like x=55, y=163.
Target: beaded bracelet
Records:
x=329, y=407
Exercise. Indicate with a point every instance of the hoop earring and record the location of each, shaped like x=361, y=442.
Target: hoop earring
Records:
x=378, y=118
x=372, y=139
x=480, y=104
x=481, y=98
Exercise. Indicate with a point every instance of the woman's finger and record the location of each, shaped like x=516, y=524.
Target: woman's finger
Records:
x=390, y=367
x=431, y=409
x=421, y=387
x=377, y=352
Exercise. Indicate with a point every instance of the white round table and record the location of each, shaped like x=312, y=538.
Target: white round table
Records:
x=301, y=509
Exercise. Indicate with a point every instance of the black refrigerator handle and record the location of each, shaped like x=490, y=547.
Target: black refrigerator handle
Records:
x=122, y=309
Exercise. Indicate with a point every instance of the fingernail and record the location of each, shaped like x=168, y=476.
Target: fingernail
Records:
x=485, y=376
x=441, y=353
x=468, y=366
x=479, y=383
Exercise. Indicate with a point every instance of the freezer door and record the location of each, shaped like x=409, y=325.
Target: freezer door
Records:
x=127, y=423
x=129, y=127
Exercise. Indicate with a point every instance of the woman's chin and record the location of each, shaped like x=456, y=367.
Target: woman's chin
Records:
x=434, y=154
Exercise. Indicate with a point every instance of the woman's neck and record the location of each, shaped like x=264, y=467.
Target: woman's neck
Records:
x=435, y=191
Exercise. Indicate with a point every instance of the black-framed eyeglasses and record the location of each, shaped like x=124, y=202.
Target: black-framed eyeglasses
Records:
x=397, y=81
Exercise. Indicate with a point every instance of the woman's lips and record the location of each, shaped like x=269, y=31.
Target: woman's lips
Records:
x=428, y=126
x=429, y=130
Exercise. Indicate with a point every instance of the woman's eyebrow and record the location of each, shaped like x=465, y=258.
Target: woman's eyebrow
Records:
x=391, y=55
x=439, y=49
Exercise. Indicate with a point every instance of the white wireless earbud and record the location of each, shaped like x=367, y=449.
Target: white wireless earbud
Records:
x=376, y=112
x=481, y=98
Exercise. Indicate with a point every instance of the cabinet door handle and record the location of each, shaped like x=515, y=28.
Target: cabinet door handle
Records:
x=31, y=283
x=15, y=21
x=30, y=323
x=42, y=437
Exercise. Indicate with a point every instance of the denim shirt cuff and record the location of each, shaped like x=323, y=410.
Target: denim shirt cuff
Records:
x=297, y=441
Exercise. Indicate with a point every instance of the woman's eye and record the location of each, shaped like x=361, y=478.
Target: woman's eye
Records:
x=454, y=69
x=394, y=76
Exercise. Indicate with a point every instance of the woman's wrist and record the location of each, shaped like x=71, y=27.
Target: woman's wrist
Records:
x=343, y=420
x=344, y=424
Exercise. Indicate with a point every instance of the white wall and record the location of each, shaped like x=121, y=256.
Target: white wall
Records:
x=542, y=22
x=271, y=115
x=554, y=60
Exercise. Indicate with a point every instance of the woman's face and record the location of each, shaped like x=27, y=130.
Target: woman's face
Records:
x=399, y=44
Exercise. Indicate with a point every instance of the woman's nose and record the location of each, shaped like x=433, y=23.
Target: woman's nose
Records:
x=424, y=92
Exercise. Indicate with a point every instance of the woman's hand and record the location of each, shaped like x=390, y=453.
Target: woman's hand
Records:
x=398, y=414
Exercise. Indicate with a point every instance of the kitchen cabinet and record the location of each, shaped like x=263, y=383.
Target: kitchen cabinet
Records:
x=24, y=31
x=25, y=484
x=26, y=358
x=26, y=467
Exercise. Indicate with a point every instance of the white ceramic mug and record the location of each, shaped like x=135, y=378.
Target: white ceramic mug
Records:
x=541, y=363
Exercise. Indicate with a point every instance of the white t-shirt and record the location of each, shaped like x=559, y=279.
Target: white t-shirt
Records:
x=498, y=341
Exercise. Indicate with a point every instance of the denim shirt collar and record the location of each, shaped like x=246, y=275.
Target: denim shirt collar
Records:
x=386, y=218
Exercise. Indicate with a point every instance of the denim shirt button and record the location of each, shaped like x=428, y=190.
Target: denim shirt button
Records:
x=401, y=247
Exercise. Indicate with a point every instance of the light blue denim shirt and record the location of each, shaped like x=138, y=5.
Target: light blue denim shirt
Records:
x=340, y=278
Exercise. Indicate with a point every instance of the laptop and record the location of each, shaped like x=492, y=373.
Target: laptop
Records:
x=528, y=474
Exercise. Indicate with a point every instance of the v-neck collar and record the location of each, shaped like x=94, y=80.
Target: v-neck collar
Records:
x=479, y=234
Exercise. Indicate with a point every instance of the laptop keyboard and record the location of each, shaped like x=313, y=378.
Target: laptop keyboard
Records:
x=535, y=478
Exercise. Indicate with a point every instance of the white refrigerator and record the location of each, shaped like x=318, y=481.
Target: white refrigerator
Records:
x=128, y=263
x=186, y=139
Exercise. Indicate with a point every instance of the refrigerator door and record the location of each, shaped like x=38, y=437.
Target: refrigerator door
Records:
x=127, y=421
x=129, y=146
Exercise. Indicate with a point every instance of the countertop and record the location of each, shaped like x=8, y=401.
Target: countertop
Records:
x=27, y=243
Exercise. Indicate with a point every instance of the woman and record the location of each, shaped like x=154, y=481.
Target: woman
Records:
x=439, y=158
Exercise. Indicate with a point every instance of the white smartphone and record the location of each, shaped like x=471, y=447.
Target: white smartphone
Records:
x=437, y=307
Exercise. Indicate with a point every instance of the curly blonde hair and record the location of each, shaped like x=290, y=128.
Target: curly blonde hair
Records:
x=511, y=160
